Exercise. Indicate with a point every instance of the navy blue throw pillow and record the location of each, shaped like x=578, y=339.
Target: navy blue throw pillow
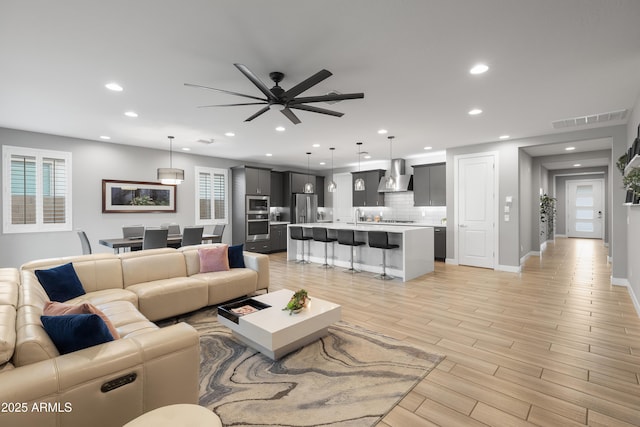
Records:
x=73, y=332
x=61, y=283
x=236, y=257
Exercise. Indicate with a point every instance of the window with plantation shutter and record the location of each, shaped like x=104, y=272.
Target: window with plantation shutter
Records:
x=37, y=190
x=212, y=206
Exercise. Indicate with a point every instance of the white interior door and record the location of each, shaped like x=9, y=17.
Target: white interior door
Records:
x=585, y=211
x=476, y=211
x=342, y=198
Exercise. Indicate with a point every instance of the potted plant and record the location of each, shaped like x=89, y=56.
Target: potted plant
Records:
x=622, y=163
x=547, y=213
x=298, y=301
x=631, y=182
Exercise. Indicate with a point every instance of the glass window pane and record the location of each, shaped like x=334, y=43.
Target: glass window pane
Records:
x=584, y=213
x=23, y=190
x=586, y=227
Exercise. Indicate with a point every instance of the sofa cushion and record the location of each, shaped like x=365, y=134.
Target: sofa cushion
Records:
x=53, y=308
x=7, y=332
x=98, y=298
x=226, y=285
x=214, y=259
x=74, y=332
x=236, y=256
x=61, y=283
x=127, y=319
x=160, y=299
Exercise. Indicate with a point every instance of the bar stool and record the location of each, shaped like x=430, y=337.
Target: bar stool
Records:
x=297, y=233
x=347, y=237
x=320, y=235
x=380, y=239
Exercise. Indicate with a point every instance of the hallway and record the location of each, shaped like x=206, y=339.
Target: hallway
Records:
x=555, y=345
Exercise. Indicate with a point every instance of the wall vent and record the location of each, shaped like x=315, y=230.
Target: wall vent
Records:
x=591, y=119
x=206, y=141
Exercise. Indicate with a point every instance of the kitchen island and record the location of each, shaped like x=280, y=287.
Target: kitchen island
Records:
x=412, y=259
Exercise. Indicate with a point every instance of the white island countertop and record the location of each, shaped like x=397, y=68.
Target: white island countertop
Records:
x=413, y=257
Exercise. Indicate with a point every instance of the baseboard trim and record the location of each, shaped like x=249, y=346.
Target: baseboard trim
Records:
x=509, y=268
x=451, y=261
x=619, y=281
x=561, y=235
x=543, y=246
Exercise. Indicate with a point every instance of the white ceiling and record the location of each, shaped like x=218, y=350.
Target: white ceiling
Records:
x=549, y=60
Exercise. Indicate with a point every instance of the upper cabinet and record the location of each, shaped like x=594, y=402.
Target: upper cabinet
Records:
x=370, y=195
x=257, y=181
x=430, y=185
x=277, y=189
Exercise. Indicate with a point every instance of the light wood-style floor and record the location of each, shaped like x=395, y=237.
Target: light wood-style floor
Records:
x=555, y=345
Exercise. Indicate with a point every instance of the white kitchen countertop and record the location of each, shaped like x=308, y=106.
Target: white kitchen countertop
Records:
x=363, y=226
x=278, y=222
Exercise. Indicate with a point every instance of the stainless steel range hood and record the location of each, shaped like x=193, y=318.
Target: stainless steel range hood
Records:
x=403, y=182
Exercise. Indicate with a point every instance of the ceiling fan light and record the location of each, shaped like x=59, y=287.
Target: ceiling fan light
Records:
x=277, y=107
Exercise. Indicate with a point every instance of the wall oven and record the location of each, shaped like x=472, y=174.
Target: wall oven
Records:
x=257, y=227
x=257, y=205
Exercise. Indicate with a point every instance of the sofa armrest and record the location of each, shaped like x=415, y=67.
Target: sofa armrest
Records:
x=259, y=263
x=108, y=384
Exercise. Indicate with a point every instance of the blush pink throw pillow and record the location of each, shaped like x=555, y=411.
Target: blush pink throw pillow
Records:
x=214, y=259
x=53, y=308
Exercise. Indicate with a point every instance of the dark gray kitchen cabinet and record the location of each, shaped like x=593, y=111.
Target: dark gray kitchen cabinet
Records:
x=258, y=181
x=319, y=190
x=262, y=247
x=370, y=195
x=440, y=243
x=277, y=189
x=430, y=185
x=278, y=237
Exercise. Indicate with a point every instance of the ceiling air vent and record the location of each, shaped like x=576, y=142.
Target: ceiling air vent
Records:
x=589, y=120
x=206, y=141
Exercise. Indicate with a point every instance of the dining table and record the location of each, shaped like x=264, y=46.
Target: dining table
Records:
x=122, y=244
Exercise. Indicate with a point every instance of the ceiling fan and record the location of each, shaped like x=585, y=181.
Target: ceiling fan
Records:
x=285, y=101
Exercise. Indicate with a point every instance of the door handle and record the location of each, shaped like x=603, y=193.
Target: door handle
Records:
x=462, y=226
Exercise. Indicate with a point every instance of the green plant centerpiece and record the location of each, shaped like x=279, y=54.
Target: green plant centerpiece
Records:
x=298, y=301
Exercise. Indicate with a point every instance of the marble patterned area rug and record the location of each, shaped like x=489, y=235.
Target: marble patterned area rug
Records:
x=351, y=377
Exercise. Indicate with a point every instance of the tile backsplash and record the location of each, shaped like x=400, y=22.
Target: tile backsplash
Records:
x=399, y=206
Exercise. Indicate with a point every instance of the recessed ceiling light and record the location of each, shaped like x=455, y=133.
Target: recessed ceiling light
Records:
x=368, y=156
x=105, y=137
x=280, y=129
x=570, y=148
x=382, y=131
x=322, y=163
x=114, y=87
x=576, y=165
x=475, y=112
x=229, y=134
x=428, y=148
x=186, y=149
x=504, y=137
x=316, y=145
x=131, y=114
x=479, y=69
x=268, y=154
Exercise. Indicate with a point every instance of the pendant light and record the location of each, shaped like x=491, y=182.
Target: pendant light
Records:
x=390, y=182
x=170, y=175
x=308, y=187
x=331, y=187
x=358, y=185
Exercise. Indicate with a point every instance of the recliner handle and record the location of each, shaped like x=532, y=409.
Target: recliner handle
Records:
x=118, y=382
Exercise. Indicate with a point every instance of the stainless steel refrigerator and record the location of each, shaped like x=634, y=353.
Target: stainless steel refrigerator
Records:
x=304, y=208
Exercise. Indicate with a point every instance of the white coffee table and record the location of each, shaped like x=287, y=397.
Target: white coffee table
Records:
x=274, y=332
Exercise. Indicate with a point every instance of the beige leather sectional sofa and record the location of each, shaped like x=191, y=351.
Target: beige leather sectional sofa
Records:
x=112, y=383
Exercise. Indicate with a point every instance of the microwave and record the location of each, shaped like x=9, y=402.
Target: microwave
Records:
x=257, y=205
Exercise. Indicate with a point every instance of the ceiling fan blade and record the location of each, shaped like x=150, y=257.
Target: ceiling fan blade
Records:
x=256, y=81
x=316, y=110
x=226, y=91
x=262, y=111
x=233, y=105
x=325, y=98
x=306, y=84
x=294, y=119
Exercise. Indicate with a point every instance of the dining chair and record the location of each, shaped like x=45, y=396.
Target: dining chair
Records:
x=155, y=238
x=218, y=230
x=132, y=231
x=84, y=241
x=174, y=229
x=192, y=235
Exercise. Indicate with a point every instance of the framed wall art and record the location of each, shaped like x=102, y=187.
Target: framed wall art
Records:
x=137, y=197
